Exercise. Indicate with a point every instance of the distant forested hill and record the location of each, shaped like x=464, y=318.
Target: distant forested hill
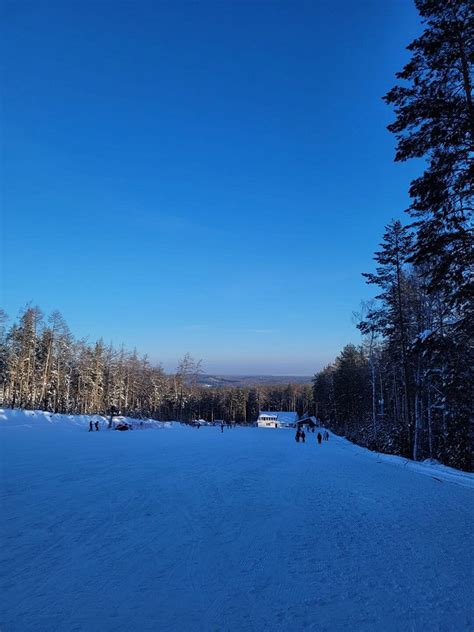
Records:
x=252, y=380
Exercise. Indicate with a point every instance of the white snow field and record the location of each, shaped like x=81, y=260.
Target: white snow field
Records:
x=179, y=529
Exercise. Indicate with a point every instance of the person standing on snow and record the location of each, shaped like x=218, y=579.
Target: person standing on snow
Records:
x=222, y=427
x=297, y=436
x=319, y=438
x=90, y=426
x=96, y=424
x=303, y=436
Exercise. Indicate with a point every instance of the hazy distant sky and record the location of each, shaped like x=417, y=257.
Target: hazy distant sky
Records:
x=209, y=177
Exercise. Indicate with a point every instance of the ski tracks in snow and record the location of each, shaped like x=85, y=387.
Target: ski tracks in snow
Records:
x=241, y=531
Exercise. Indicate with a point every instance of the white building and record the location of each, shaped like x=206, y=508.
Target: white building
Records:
x=277, y=419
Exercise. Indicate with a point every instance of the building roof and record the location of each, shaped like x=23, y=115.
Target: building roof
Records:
x=280, y=415
x=308, y=421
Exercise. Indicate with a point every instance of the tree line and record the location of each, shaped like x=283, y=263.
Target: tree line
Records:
x=42, y=366
x=409, y=388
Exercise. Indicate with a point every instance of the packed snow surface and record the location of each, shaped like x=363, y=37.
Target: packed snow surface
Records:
x=170, y=528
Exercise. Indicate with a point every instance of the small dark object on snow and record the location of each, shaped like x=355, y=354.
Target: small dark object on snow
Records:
x=122, y=426
x=319, y=438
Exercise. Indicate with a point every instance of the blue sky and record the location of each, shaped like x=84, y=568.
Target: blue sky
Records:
x=208, y=177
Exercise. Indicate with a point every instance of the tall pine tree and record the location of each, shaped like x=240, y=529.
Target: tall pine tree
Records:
x=435, y=121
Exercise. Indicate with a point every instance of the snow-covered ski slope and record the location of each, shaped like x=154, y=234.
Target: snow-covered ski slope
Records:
x=179, y=529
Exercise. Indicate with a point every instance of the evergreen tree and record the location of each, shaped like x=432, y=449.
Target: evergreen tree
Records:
x=391, y=317
x=435, y=121
x=253, y=405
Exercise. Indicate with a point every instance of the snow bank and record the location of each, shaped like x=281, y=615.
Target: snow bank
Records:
x=432, y=468
x=28, y=419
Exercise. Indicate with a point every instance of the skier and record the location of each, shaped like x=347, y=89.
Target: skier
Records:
x=297, y=436
x=90, y=426
x=303, y=436
x=319, y=438
x=96, y=424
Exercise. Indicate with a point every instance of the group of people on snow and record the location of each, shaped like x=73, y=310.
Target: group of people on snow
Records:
x=221, y=425
x=301, y=436
x=120, y=426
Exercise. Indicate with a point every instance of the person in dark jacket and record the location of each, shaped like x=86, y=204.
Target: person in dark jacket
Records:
x=297, y=436
x=319, y=438
x=303, y=436
x=90, y=426
x=96, y=424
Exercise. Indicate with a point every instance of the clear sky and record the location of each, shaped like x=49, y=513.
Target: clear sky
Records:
x=210, y=177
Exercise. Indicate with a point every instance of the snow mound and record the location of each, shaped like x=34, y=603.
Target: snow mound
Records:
x=28, y=419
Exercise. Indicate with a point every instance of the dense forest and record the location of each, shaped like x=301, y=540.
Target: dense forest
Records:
x=409, y=388
x=42, y=366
